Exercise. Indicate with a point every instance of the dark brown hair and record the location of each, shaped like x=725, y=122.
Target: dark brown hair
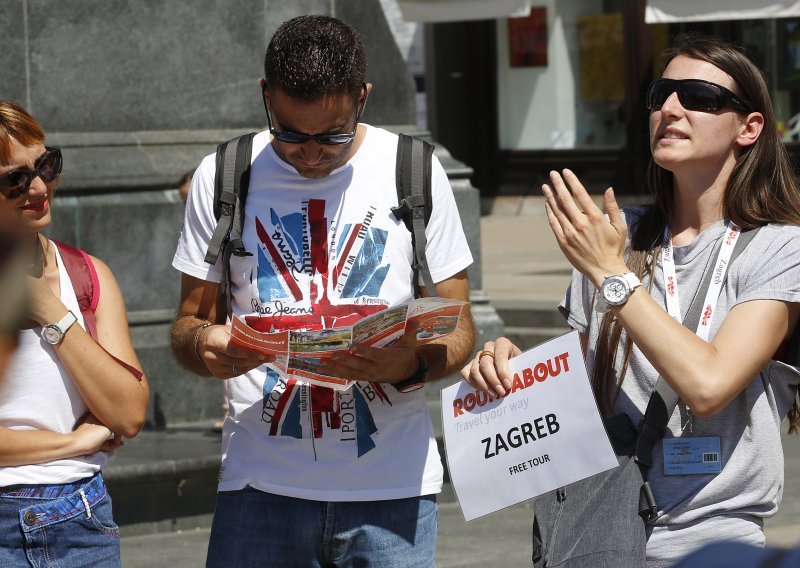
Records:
x=761, y=189
x=16, y=123
x=312, y=56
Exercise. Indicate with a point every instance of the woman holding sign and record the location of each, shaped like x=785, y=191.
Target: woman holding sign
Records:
x=718, y=172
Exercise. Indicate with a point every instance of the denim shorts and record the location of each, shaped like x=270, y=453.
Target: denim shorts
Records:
x=255, y=528
x=62, y=525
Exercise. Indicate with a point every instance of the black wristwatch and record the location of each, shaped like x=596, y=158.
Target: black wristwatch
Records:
x=417, y=380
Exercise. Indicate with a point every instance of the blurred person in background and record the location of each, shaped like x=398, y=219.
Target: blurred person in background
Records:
x=12, y=290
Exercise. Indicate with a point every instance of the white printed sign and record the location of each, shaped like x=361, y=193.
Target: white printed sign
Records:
x=544, y=434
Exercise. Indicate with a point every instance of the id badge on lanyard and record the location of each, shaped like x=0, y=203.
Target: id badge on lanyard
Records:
x=692, y=456
x=689, y=455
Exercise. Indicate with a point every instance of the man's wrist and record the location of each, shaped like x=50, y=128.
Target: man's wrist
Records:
x=197, y=335
x=417, y=380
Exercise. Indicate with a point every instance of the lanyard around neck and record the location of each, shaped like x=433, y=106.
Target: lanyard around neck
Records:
x=672, y=295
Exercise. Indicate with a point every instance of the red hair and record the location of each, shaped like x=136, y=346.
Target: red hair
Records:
x=16, y=123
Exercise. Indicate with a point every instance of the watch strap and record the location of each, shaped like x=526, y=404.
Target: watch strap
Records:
x=66, y=322
x=632, y=280
x=417, y=380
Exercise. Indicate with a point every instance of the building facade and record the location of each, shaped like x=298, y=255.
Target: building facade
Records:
x=564, y=86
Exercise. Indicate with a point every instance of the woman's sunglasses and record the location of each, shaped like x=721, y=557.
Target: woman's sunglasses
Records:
x=333, y=139
x=15, y=184
x=693, y=94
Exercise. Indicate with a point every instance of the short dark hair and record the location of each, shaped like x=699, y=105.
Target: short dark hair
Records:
x=312, y=56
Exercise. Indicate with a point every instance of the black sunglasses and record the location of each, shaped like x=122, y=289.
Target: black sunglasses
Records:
x=693, y=94
x=333, y=139
x=15, y=184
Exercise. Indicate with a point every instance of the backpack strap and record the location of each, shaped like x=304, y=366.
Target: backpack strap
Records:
x=413, y=179
x=664, y=399
x=82, y=274
x=231, y=183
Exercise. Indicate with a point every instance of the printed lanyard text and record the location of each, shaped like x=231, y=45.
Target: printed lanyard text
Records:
x=712, y=295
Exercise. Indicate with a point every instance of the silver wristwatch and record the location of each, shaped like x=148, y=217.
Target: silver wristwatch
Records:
x=615, y=290
x=53, y=333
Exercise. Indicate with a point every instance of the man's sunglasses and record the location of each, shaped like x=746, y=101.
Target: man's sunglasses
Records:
x=333, y=139
x=693, y=94
x=15, y=184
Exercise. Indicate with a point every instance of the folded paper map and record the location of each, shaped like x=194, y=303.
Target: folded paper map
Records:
x=298, y=353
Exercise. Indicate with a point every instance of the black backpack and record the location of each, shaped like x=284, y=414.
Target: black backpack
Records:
x=232, y=180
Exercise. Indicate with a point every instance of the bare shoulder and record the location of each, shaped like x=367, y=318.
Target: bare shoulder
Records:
x=110, y=302
x=104, y=274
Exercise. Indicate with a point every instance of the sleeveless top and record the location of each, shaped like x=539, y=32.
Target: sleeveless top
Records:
x=38, y=393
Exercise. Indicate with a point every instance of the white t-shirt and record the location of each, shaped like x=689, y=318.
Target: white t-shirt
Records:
x=38, y=393
x=325, y=253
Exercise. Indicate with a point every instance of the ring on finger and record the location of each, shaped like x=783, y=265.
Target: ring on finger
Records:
x=486, y=354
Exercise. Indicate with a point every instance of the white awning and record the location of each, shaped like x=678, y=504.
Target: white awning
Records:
x=667, y=11
x=458, y=10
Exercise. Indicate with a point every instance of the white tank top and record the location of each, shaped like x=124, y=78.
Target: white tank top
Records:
x=37, y=393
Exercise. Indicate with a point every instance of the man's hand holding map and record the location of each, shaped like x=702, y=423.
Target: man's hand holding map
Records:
x=299, y=353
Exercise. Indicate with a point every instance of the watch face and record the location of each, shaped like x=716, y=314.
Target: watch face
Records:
x=51, y=334
x=614, y=291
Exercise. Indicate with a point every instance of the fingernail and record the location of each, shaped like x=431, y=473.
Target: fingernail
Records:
x=500, y=390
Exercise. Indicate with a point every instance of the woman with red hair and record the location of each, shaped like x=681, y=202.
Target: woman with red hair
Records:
x=67, y=398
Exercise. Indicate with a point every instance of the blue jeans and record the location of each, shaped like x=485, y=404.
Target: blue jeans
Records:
x=255, y=528
x=60, y=525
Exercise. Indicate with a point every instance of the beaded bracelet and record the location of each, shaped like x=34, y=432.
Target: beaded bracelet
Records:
x=197, y=339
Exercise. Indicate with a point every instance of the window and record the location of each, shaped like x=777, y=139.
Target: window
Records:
x=561, y=76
